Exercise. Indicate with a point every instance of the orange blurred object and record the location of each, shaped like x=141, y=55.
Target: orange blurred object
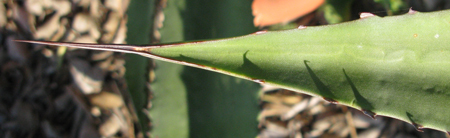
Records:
x=269, y=12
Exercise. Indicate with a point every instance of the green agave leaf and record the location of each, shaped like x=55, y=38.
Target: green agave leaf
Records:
x=138, y=30
x=393, y=6
x=337, y=11
x=169, y=112
x=220, y=106
x=393, y=66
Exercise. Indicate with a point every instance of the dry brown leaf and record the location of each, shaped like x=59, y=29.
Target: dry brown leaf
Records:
x=106, y=100
x=49, y=28
x=88, y=79
x=82, y=23
x=62, y=7
x=111, y=126
x=48, y=93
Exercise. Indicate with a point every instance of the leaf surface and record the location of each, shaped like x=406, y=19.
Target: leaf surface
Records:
x=393, y=66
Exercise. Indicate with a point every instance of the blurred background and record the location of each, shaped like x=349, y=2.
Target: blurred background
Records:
x=48, y=91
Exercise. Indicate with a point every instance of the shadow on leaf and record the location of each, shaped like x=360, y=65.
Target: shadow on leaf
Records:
x=326, y=92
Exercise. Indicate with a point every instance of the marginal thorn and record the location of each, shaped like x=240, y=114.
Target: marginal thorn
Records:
x=369, y=113
x=261, y=81
x=301, y=27
x=366, y=15
x=330, y=100
x=411, y=11
x=260, y=32
x=418, y=127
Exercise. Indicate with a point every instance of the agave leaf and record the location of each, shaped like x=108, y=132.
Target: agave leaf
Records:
x=393, y=66
x=135, y=74
x=170, y=107
x=393, y=6
x=337, y=11
x=220, y=106
x=169, y=110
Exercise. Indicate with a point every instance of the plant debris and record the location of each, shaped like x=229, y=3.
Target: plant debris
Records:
x=51, y=92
